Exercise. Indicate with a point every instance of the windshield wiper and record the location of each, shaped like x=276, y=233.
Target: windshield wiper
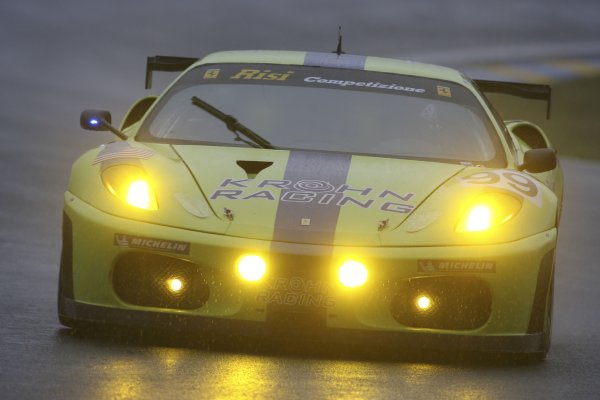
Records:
x=235, y=126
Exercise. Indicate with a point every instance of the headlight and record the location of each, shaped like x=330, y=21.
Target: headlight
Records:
x=487, y=211
x=130, y=184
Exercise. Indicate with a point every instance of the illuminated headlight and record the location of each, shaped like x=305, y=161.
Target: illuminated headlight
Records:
x=251, y=267
x=353, y=274
x=487, y=211
x=130, y=184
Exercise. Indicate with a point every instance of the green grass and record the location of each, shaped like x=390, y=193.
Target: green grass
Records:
x=574, y=126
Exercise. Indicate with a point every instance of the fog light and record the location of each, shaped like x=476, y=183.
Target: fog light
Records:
x=174, y=285
x=251, y=267
x=353, y=274
x=423, y=303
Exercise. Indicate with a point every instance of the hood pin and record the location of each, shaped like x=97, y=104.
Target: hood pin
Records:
x=383, y=224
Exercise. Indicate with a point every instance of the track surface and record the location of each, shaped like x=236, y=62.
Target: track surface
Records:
x=56, y=61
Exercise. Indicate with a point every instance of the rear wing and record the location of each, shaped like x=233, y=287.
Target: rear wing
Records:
x=524, y=90
x=166, y=64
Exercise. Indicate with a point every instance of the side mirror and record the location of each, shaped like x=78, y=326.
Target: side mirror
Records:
x=539, y=160
x=95, y=120
x=99, y=120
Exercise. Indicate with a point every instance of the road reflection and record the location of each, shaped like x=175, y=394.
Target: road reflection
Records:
x=119, y=379
x=244, y=376
x=130, y=367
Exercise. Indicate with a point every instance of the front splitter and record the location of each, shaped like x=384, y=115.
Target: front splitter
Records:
x=74, y=313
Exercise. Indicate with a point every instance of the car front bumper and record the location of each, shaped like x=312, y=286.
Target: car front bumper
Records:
x=300, y=293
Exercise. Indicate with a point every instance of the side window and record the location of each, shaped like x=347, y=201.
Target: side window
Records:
x=137, y=111
x=531, y=136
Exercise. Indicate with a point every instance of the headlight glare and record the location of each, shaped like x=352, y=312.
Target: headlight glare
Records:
x=175, y=285
x=353, y=274
x=251, y=267
x=138, y=194
x=130, y=184
x=423, y=303
x=488, y=211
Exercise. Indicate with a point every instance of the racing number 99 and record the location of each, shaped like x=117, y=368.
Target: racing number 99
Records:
x=515, y=181
x=521, y=183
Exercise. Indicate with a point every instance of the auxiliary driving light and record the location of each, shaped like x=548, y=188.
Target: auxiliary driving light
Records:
x=175, y=285
x=251, y=267
x=423, y=303
x=353, y=274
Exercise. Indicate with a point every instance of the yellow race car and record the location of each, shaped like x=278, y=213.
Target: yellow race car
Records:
x=328, y=195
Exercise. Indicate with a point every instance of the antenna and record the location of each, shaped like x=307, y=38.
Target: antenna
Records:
x=339, y=50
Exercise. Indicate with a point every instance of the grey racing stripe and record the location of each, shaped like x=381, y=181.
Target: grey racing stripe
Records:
x=333, y=60
x=307, y=211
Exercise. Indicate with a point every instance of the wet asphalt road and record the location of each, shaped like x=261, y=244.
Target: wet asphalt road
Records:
x=59, y=59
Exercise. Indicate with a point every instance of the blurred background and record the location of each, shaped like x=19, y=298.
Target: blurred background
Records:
x=59, y=57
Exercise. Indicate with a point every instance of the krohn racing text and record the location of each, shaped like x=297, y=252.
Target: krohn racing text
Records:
x=297, y=292
x=313, y=191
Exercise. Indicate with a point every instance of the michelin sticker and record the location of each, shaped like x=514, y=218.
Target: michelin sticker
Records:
x=456, y=266
x=138, y=242
x=314, y=191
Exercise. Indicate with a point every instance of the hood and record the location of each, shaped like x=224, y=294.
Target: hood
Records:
x=311, y=197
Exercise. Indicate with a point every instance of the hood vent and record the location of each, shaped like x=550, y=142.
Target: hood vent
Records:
x=253, y=168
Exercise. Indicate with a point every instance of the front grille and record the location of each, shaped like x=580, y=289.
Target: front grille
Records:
x=297, y=293
x=304, y=319
x=456, y=303
x=145, y=279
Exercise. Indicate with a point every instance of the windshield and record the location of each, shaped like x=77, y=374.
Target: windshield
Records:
x=329, y=109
